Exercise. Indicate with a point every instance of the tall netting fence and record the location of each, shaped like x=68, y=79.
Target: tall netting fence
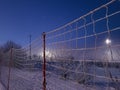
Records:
x=85, y=53
x=81, y=55
x=21, y=68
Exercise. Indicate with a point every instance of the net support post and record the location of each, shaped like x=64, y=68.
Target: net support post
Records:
x=10, y=64
x=44, y=60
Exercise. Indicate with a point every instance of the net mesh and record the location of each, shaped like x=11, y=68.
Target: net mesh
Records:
x=85, y=51
x=81, y=55
x=21, y=68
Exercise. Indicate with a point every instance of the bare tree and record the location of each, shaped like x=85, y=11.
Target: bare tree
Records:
x=10, y=44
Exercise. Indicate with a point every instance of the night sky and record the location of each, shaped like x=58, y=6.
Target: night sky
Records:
x=20, y=18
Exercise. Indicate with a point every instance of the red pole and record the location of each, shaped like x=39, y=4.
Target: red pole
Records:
x=10, y=62
x=44, y=62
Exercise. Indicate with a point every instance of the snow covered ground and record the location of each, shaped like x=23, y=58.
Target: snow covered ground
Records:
x=24, y=80
x=2, y=87
x=32, y=80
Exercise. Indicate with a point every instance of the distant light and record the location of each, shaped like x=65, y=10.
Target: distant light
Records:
x=47, y=53
x=108, y=41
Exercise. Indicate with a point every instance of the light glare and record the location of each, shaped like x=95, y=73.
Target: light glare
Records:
x=47, y=53
x=108, y=41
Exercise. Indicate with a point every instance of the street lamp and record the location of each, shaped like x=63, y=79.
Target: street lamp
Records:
x=108, y=41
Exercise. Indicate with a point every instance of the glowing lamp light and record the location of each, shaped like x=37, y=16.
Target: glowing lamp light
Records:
x=108, y=41
x=47, y=53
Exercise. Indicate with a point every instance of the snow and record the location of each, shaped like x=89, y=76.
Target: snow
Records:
x=32, y=80
x=1, y=87
x=25, y=80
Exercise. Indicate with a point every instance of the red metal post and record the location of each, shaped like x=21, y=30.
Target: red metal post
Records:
x=10, y=63
x=44, y=62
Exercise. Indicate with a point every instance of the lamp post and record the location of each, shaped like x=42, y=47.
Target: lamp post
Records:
x=30, y=46
x=108, y=42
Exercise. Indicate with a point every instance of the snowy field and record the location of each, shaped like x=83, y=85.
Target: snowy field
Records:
x=1, y=87
x=24, y=80
x=32, y=80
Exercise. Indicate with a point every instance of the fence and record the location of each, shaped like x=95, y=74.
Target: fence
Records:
x=20, y=69
x=81, y=55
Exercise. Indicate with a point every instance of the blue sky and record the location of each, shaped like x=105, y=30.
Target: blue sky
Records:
x=20, y=18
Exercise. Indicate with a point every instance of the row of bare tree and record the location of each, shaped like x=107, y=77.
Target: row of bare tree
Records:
x=6, y=47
